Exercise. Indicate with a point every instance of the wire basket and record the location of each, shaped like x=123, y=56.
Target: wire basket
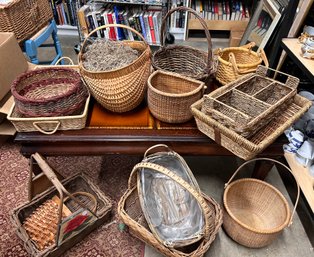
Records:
x=122, y=89
x=170, y=95
x=47, y=92
x=49, y=225
x=255, y=212
x=234, y=62
x=184, y=60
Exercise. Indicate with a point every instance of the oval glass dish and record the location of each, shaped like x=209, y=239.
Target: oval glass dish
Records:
x=173, y=214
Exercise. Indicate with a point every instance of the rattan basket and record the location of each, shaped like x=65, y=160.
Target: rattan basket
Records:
x=234, y=62
x=255, y=212
x=185, y=60
x=24, y=18
x=241, y=146
x=49, y=92
x=89, y=207
x=250, y=102
x=170, y=95
x=122, y=89
x=130, y=211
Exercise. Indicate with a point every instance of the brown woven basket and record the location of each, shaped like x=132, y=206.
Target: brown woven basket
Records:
x=76, y=194
x=234, y=62
x=185, y=60
x=250, y=102
x=241, y=146
x=122, y=89
x=255, y=212
x=49, y=92
x=25, y=18
x=129, y=210
x=170, y=96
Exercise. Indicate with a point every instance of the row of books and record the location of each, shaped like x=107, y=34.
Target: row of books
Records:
x=64, y=11
x=222, y=9
x=147, y=22
x=147, y=2
x=177, y=19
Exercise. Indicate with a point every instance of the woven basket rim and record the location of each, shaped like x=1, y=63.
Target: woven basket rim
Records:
x=239, y=49
x=275, y=190
x=147, y=48
x=75, y=81
x=155, y=73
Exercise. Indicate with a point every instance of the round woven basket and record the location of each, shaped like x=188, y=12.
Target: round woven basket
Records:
x=255, y=212
x=185, y=60
x=170, y=96
x=122, y=89
x=234, y=62
x=49, y=92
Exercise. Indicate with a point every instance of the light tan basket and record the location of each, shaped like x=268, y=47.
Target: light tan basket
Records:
x=170, y=95
x=122, y=89
x=234, y=62
x=255, y=211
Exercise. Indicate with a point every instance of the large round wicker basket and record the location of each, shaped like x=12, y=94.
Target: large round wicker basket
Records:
x=122, y=89
x=255, y=212
x=185, y=60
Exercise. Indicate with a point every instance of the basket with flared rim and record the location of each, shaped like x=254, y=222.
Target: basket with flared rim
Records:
x=121, y=89
x=185, y=60
x=234, y=62
x=255, y=212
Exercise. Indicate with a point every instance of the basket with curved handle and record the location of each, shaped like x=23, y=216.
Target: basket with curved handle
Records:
x=203, y=23
x=277, y=162
x=197, y=195
x=65, y=58
x=37, y=124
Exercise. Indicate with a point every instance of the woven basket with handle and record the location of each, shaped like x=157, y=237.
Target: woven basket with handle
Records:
x=122, y=89
x=234, y=62
x=255, y=212
x=185, y=60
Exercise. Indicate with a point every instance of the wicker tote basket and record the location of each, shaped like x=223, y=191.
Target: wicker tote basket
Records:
x=122, y=89
x=25, y=18
x=50, y=91
x=255, y=212
x=57, y=218
x=234, y=62
x=170, y=95
x=185, y=60
x=130, y=211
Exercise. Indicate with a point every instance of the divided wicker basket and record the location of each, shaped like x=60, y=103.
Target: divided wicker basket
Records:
x=170, y=95
x=122, y=89
x=47, y=92
x=234, y=62
x=185, y=60
x=255, y=212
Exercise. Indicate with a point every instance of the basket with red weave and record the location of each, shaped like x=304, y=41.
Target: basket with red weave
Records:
x=49, y=92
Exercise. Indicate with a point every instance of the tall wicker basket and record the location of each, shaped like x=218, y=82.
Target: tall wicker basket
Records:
x=122, y=89
x=185, y=60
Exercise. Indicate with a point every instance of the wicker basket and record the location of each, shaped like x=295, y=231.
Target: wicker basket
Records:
x=249, y=148
x=25, y=18
x=170, y=95
x=249, y=103
x=129, y=209
x=49, y=125
x=255, y=212
x=122, y=89
x=49, y=92
x=185, y=60
x=77, y=195
x=234, y=62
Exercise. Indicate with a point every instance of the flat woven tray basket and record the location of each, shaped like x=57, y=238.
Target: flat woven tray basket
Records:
x=241, y=146
x=249, y=103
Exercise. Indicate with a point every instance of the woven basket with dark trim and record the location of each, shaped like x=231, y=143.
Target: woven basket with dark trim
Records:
x=49, y=92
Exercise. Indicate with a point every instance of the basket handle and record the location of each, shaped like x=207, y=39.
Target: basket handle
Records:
x=109, y=26
x=158, y=168
x=92, y=197
x=261, y=52
x=203, y=23
x=157, y=146
x=36, y=125
x=65, y=58
x=283, y=165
